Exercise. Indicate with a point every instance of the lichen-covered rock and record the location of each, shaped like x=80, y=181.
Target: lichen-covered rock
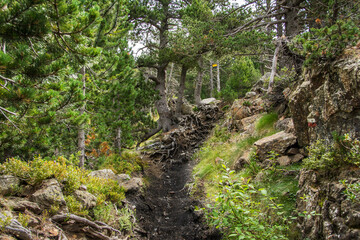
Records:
x=286, y=125
x=86, y=199
x=278, y=142
x=328, y=212
x=288, y=160
x=248, y=124
x=327, y=100
x=209, y=101
x=133, y=185
x=124, y=180
x=49, y=195
x=244, y=108
x=8, y=183
x=21, y=204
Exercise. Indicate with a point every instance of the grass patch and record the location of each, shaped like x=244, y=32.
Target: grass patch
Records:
x=266, y=122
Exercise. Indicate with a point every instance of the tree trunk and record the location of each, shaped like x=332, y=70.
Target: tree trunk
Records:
x=211, y=79
x=168, y=81
x=161, y=104
x=81, y=132
x=218, y=76
x=292, y=26
x=118, y=140
x=199, y=80
x=180, y=96
x=273, y=67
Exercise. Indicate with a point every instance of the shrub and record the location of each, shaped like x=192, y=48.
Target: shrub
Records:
x=324, y=156
x=70, y=176
x=243, y=212
x=324, y=44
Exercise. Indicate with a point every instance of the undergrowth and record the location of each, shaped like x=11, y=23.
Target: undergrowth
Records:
x=254, y=203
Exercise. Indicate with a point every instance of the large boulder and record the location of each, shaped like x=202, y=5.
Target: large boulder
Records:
x=49, y=195
x=328, y=100
x=278, y=143
x=8, y=183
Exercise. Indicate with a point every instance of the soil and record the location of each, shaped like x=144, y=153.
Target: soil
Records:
x=166, y=211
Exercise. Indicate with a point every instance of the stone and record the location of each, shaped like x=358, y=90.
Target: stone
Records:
x=104, y=174
x=248, y=124
x=86, y=199
x=286, y=125
x=20, y=204
x=124, y=180
x=292, y=151
x=278, y=143
x=49, y=195
x=8, y=183
x=241, y=162
x=133, y=185
x=250, y=94
x=284, y=160
x=208, y=101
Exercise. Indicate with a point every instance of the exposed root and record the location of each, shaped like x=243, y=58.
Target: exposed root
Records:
x=96, y=230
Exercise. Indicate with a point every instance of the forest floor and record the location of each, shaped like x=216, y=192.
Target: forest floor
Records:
x=166, y=210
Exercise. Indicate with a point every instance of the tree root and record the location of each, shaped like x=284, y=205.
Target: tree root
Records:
x=93, y=229
x=13, y=227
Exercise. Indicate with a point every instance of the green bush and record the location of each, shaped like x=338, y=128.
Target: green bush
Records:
x=325, y=156
x=243, y=212
x=326, y=43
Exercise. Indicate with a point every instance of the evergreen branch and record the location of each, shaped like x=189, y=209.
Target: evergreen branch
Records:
x=1, y=110
x=7, y=79
x=4, y=109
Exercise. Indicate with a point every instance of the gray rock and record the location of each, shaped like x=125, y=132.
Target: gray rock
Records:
x=50, y=194
x=208, y=101
x=286, y=125
x=86, y=199
x=278, y=143
x=20, y=204
x=250, y=94
x=133, y=185
x=8, y=183
x=241, y=162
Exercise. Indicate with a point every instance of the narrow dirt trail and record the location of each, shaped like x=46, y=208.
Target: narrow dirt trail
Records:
x=166, y=210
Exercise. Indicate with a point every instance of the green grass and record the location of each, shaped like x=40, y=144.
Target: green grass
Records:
x=266, y=122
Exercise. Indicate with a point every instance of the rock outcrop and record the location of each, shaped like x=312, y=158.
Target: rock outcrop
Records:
x=328, y=100
x=327, y=213
x=50, y=194
x=8, y=183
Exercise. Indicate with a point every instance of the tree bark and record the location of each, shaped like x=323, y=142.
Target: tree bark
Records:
x=211, y=79
x=118, y=140
x=180, y=96
x=218, y=76
x=161, y=104
x=199, y=81
x=292, y=25
x=168, y=80
x=274, y=65
x=81, y=132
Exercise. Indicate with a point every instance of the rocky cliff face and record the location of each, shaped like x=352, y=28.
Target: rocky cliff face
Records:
x=327, y=213
x=328, y=100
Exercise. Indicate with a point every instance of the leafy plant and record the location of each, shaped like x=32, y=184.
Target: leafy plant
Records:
x=246, y=103
x=326, y=43
x=238, y=212
x=352, y=190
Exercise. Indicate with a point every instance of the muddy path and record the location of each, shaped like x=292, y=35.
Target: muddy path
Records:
x=166, y=210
